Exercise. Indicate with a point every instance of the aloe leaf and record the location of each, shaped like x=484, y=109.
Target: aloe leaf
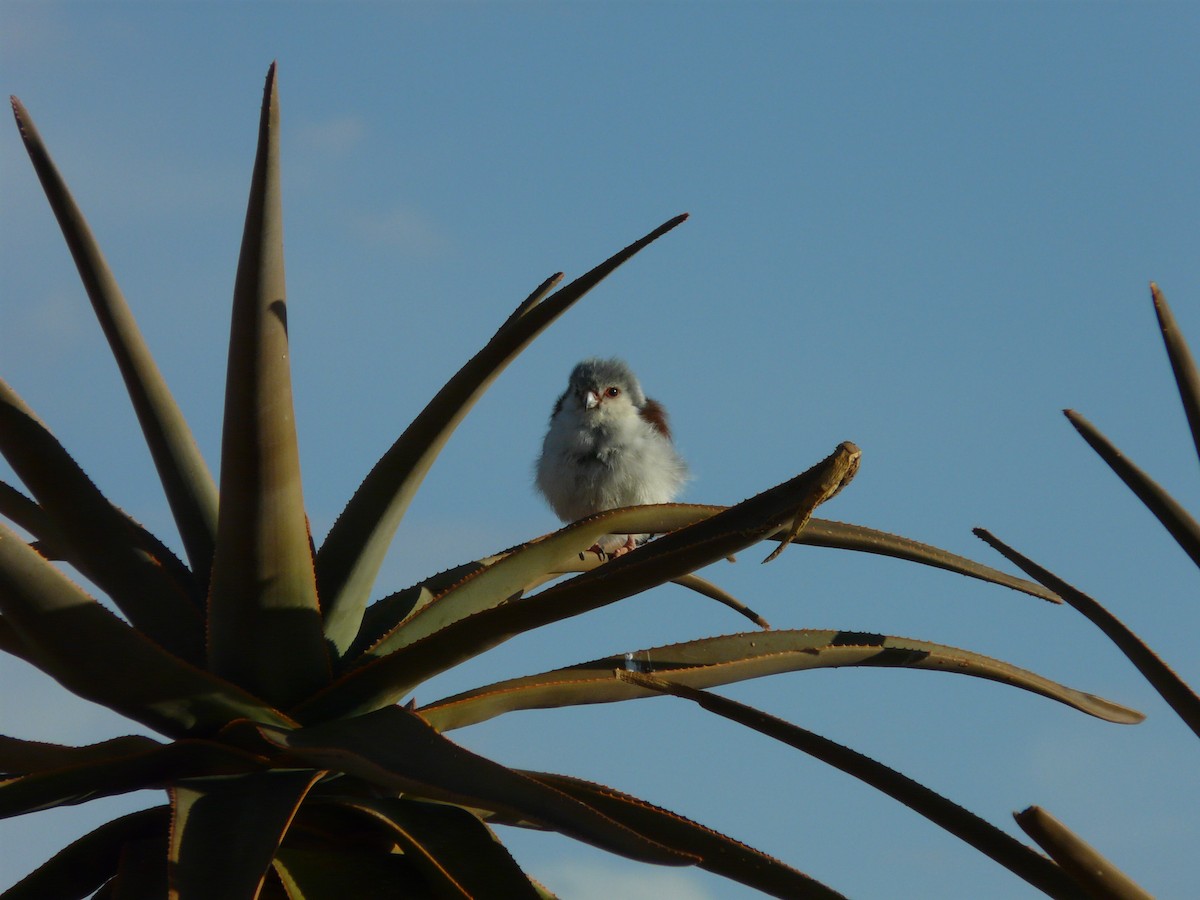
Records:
x=21, y=757
x=1186, y=376
x=76, y=641
x=264, y=620
x=490, y=585
x=383, y=680
x=186, y=480
x=980, y=834
x=1098, y=877
x=456, y=852
x=142, y=874
x=80, y=868
x=1162, y=678
x=26, y=514
x=121, y=773
x=12, y=643
x=225, y=831
x=718, y=854
x=1166, y=509
x=354, y=549
x=738, y=657
x=311, y=874
x=395, y=750
x=843, y=536
x=150, y=586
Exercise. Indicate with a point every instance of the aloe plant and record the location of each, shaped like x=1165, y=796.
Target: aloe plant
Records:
x=290, y=767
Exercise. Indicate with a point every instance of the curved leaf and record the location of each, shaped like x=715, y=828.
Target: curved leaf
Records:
x=225, y=831
x=1162, y=678
x=395, y=750
x=456, y=852
x=843, y=536
x=353, y=551
x=311, y=874
x=264, y=620
x=121, y=772
x=382, y=681
x=83, y=866
x=737, y=657
x=75, y=640
x=1186, y=376
x=1098, y=877
x=189, y=486
x=20, y=757
x=1166, y=508
x=718, y=854
x=147, y=583
x=980, y=834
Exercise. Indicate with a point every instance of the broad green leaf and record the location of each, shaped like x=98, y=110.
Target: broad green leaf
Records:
x=147, y=583
x=311, y=874
x=225, y=831
x=1186, y=376
x=1166, y=508
x=718, y=854
x=186, y=480
x=121, y=772
x=354, y=549
x=20, y=757
x=737, y=657
x=395, y=750
x=12, y=643
x=1098, y=877
x=80, y=868
x=384, y=680
x=980, y=834
x=454, y=850
x=76, y=641
x=264, y=620
x=1162, y=678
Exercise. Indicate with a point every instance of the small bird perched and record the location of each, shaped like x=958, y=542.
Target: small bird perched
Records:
x=608, y=446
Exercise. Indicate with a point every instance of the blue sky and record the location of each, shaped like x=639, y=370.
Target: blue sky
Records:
x=924, y=227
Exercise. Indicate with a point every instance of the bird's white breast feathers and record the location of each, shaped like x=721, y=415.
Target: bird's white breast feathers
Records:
x=621, y=462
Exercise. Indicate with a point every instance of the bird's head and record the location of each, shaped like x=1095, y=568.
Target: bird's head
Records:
x=604, y=387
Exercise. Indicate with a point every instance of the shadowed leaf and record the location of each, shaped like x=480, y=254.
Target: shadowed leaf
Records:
x=311, y=874
x=189, y=486
x=454, y=850
x=1098, y=877
x=143, y=578
x=225, y=831
x=19, y=757
x=718, y=854
x=121, y=772
x=738, y=657
x=353, y=551
x=1170, y=686
x=395, y=750
x=75, y=640
x=80, y=868
x=983, y=836
x=264, y=621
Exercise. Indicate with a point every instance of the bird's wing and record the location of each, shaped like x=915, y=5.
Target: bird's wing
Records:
x=654, y=414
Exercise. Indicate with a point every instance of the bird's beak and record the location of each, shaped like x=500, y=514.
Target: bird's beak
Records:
x=591, y=400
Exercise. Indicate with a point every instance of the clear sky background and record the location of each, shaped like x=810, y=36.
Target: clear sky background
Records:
x=925, y=227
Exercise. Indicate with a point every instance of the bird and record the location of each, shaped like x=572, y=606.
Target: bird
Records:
x=608, y=446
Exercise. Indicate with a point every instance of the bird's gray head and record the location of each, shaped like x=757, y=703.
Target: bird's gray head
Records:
x=601, y=378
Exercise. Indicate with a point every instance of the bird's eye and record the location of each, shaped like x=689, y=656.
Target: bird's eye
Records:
x=613, y=392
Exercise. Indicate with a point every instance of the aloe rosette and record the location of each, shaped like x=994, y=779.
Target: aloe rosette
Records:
x=292, y=763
